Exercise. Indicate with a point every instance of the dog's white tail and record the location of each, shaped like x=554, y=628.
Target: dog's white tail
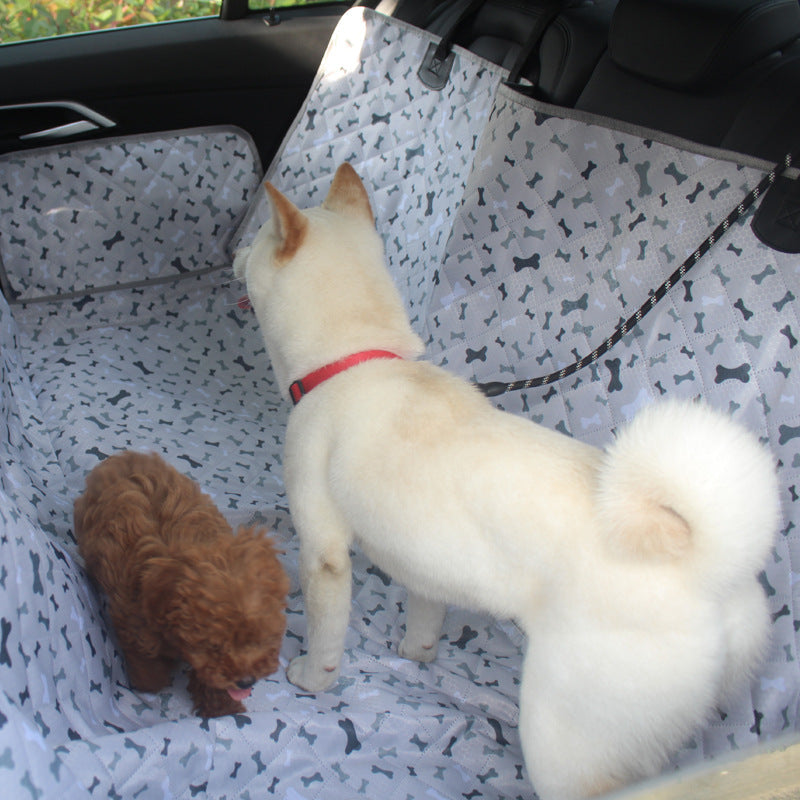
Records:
x=684, y=481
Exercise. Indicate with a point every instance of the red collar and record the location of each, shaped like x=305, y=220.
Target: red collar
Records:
x=318, y=376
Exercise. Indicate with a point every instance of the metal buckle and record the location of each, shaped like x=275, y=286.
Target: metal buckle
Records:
x=296, y=391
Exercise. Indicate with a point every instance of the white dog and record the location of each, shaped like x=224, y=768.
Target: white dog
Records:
x=632, y=571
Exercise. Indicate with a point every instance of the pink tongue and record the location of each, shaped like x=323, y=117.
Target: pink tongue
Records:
x=239, y=694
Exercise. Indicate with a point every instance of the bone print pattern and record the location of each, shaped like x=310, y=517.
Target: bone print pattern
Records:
x=412, y=146
x=122, y=212
x=138, y=367
x=178, y=367
x=287, y=743
x=174, y=365
x=566, y=227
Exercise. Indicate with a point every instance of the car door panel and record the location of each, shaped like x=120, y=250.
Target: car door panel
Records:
x=162, y=77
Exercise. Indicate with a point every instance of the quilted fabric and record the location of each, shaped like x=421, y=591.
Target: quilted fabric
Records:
x=30, y=471
x=518, y=234
x=182, y=370
x=121, y=211
x=174, y=365
x=567, y=226
x=412, y=146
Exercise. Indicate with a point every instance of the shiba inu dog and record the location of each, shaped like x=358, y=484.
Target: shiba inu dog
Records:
x=631, y=570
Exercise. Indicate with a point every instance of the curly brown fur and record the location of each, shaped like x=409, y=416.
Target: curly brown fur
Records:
x=181, y=586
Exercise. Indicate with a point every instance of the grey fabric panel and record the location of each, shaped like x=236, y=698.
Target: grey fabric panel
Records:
x=178, y=367
x=182, y=370
x=171, y=363
x=118, y=212
x=412, y=146
x=30, y=471
x=567, y=225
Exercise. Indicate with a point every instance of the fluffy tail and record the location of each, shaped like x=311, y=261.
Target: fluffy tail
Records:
x=684, y=481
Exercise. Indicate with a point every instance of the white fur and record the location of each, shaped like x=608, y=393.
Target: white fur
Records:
x=632, y=571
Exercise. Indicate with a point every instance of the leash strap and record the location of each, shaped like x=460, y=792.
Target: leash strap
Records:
x=497, y=388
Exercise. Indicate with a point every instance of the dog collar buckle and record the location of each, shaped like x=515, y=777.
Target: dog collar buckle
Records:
x=299, y=388
x=296, y=391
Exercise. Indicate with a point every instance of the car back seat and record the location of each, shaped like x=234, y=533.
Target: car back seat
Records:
x=180, y=367
x=719, y=73
x=565, y=54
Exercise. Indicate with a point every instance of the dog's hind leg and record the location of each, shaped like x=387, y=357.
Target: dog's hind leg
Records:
x=424, y=620
x=325, y=581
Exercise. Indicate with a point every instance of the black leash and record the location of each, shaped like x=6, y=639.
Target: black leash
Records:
x=496, y=388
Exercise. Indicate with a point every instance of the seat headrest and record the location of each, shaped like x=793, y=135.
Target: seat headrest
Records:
x=699, y=44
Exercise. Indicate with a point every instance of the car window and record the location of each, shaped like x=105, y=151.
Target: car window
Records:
x=263, y=5
x=35, y=19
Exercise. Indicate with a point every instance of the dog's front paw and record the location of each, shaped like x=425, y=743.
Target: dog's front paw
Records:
x=304, y=675
x=417, y=651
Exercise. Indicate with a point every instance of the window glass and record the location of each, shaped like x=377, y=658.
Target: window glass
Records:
x=262, y=5
x=33, y=19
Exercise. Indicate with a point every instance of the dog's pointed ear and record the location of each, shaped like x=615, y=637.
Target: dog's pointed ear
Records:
x=290, y=224
x=347, y=194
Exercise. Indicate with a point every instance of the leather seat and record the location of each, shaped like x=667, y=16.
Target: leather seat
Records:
x=719, y=72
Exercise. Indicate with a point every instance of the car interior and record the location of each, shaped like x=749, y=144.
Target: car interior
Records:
x=541, y=173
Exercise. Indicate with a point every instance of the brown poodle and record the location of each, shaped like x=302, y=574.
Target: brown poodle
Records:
x=180, y=584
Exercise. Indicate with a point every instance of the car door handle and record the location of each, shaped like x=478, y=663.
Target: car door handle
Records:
x=90, y=120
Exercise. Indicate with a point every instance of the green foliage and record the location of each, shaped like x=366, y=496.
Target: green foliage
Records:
x=30, y=19
x=33, y=19
x=263, y=5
